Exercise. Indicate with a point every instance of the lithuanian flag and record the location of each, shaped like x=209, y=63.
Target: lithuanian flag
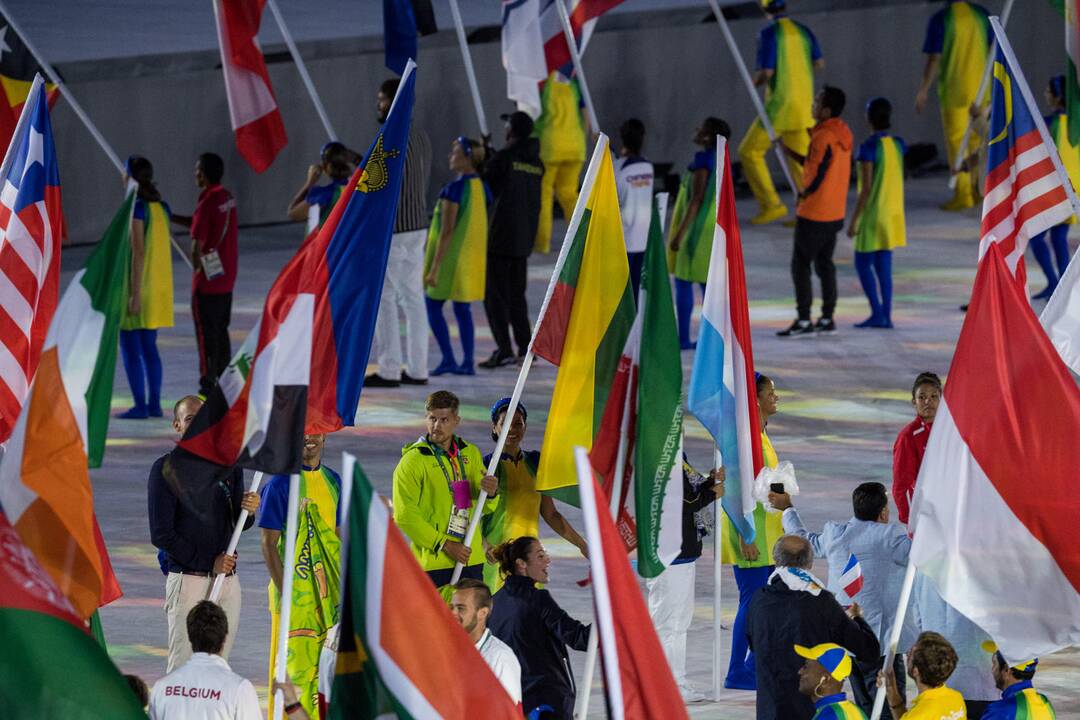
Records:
x=585, y=327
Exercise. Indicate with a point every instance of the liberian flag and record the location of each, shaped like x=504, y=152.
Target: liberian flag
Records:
x=397, y=635
x=585, y=326
x=722, y=392
x=637, y=682
x=51, y=666
x=253, y=110
x=1000, y=467
x=31, y=227
x=44, y=475
x=302, y=366
x=851, y=579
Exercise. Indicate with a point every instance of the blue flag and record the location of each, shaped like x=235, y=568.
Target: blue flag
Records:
x=400, y=31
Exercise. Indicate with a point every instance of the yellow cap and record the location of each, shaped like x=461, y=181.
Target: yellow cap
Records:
x=1026, y=666
x=832, y=657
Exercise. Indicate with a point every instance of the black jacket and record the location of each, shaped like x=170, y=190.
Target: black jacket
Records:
x=514, y=175
x=779, y=618
x=194, y=505
x=693, y=502
x=538, y=630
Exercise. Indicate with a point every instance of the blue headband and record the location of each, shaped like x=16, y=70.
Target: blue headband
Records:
x=504, y=403
x=1057, y=86
x=466, y=145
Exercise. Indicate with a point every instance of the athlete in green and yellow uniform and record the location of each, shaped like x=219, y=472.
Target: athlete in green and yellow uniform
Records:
x=878, y=221
x=788, y=55
x=956, y=47
x=821, y=678
x=561, y=129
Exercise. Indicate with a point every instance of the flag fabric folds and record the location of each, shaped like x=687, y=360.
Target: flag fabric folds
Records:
x=584, y=330
x=31, y=228
x=1002, y=456
x=44, y=477
x=385, y=666
x=253, y=110
x=303, y=364
x=851, y=579
x=722, y=393
x=583, y=15
x=637, y=685
x=17, y=70
x=403, y=20
x=51, y=667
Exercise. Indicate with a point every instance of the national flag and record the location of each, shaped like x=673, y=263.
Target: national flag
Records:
x=585, y=327
x=253, y=110
x=722, y=392
x=851, y=578
x=637, y=682
x=44, y=477
x=51, y=666
x=31, y=227
x=386, y=665
x=303, y=364
x=403, y=20
x=18, y=68
x=583, y=15
x=1024, y=193
x=1001, y=466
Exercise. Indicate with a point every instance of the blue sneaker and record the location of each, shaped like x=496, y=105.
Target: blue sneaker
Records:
x=446, y=367
x=464, y=369
x=135, y=413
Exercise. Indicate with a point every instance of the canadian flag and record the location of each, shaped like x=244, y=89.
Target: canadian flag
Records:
x=256, y=120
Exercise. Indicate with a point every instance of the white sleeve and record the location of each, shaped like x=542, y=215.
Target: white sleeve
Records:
x=510, y=675
x=247, y=702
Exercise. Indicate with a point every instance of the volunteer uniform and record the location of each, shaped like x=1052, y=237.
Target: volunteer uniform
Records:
x=935, y=704
x=690, y=263
x=214, y=231
x=322, y=199
x=503, y=662
x=881, y=224
x=561, y=130
x=1020, y=701
x=634, y=183
x=204, y=688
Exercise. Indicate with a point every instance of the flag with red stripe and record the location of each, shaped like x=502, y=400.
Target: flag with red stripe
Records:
x=253, y=110
x=1024, y=194
x=583, y=15
x=31, y=227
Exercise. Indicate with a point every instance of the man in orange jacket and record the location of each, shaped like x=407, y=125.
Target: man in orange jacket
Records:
x=819, y=215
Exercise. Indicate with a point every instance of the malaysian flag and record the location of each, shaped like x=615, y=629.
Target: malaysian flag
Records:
x=851, y=579
x=31, y=226
x=1024, y=193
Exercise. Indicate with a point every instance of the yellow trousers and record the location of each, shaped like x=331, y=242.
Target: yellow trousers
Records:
x=754, y=147
x=560, y=181
x=955, y=121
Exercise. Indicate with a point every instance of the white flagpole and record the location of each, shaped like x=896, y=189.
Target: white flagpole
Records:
x=219, y=581
x=894, y=635
x=280, y=671
x=302, y=68
x=470, y=72
x=575, y=55
x=961, y=153
x=759, y=108
x=526, y=365
x=718, y=574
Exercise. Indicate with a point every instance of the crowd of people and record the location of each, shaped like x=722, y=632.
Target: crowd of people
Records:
x=796, y=640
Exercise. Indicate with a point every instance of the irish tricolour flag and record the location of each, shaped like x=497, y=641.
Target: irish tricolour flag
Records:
x=722, y=389
x=1000, y=471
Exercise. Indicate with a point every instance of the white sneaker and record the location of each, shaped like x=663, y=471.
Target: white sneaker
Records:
x=690, y=694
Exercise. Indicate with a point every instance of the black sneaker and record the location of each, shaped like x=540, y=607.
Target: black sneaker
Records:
x=799, y=328
x=376, y=380
x=498, y=359
x=407, y=379
x=825, y=326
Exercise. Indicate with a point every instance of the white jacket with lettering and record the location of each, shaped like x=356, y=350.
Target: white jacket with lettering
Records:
x=204, y=688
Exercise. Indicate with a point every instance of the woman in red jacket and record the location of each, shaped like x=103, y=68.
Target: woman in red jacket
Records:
x=910, y=445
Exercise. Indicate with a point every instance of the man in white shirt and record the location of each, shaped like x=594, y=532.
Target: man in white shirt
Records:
x=205, y=688
x=634, y=183
x=471, y=605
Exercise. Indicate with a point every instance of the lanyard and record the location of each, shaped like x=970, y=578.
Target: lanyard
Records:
x=455, y=464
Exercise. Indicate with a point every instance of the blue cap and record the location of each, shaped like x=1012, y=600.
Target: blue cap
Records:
x=504, y=403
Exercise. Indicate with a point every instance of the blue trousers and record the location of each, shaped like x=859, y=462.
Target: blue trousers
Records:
x=741, y=666
x=879, y=264
x=684, y=308
x=1059, y=239
x=142, y=364
x=439, y=328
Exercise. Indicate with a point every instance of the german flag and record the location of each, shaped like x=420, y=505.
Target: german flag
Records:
x=17, y=69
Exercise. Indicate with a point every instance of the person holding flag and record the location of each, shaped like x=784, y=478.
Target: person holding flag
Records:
x=562, y=128
x=931, y=661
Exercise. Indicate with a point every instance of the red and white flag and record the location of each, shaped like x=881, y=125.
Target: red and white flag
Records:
x=637, y=681
x=253, y=110
x=994, y=508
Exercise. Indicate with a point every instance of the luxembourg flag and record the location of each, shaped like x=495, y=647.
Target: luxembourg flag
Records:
x=851, y=579
x=722, y=395
x=1000, y=472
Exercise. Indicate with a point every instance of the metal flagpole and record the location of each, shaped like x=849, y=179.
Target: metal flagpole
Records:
x=718, y=574
x=215, y=592
x=961, y=153
x=280, y=671
x=576, y=57
x=302, y=68
x=894, y=635
x=526, y=365
x=749, y=82
x=470, y=72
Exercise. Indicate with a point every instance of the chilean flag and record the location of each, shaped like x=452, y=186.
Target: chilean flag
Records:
x=302, y=368
x=995, y=503
x=851, y=579
x=722, y=393
x=253, y=110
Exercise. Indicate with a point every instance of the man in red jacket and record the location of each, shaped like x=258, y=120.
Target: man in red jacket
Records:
x=910, y=445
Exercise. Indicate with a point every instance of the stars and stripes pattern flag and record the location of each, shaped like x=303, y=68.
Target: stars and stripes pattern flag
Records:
x=851, y=579
x=31, y=227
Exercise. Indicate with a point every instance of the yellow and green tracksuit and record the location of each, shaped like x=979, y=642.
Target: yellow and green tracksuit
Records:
x=881, y=225
x=463, y=270
x=561, y=130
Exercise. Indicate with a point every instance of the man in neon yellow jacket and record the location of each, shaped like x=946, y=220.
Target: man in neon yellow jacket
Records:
x=436, y=485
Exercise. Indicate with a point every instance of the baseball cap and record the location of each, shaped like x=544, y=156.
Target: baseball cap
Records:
x=832, y=657
x=504, y=403
x=520, y=123
x=1027, y=666
x=773, y=5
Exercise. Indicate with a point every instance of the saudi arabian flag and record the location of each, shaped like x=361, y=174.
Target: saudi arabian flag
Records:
x=1071, y=10
x=51, y=666
x=658, y=486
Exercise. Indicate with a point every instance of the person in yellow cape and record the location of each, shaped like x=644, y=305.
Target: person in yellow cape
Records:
x=316, y=585
x=150, y=291
x=562, y=129
x=752, y=563
x=455, y=261
x=520, y=506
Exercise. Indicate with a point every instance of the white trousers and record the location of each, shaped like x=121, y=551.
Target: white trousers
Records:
x=183, y=592
x=671, y=606
x=403, y=290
